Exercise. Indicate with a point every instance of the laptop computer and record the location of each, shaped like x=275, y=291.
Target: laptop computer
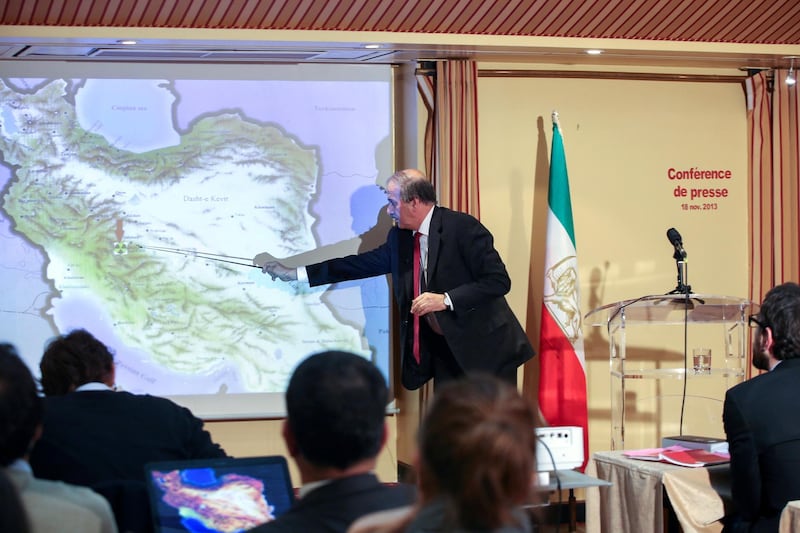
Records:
x=225, y=495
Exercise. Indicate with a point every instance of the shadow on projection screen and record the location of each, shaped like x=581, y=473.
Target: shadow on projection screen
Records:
x=129, y=194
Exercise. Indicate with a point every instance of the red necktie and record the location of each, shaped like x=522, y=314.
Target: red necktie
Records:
x=417, y=261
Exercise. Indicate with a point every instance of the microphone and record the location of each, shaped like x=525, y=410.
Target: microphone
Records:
x=676, y=240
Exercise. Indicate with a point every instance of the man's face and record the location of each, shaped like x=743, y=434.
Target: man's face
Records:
x=760, y=357
x=401, y=212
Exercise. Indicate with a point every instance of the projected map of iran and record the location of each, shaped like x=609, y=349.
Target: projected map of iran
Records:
x=229, y=184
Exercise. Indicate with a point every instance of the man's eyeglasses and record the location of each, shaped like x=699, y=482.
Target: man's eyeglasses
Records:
x=753, y=321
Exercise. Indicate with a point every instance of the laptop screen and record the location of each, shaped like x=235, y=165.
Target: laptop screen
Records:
x=224, y=495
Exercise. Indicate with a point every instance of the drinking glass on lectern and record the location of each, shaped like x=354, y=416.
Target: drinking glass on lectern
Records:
x=701, y=360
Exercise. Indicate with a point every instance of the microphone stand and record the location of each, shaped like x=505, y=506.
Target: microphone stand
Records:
x=686, y=290
x=683, y=267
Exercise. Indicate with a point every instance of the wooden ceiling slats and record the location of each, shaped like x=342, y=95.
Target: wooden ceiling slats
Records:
x=637, y=19
x=306, y=14
x=70, y=10
x=788, y=31
x=602, y=25
x=259, y=17
x=662, y=30
x=285, y=14
x=271, y=15
x=174, y=15
x=443, y=18
x=649, y=20
x=739, y=23
x=723, y=14
x=356, y=15
x=113, y=12
x=151, y=12
x=385, y=15
x=782, y=26
x=8, y=9
x=244, y=15
x=189, y=14
x=487, y=17
x=335, y=16
x=697, y=22
x=543, y=15
x=54, y=13
x=575, y=19
x=40, y=10
x=733, y=21
x=497, y=26
x=465, y=17
x=223, y=11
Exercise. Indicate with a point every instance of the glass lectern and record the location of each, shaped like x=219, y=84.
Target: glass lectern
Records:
x=725, y=315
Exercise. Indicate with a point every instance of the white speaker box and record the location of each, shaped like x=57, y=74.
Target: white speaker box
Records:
x=564, y=443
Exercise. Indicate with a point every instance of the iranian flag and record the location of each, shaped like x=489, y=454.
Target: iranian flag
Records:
x=562, y=376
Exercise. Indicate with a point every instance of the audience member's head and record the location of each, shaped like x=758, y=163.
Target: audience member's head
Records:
x=20, y=407
x=75, y=359
x=336, y=405
x=779, y=325
x=477, y=452
x=13, y=517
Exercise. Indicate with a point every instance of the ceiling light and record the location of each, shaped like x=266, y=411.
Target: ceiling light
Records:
x=372, y=46
x=594, y=52
x=791, y=76
x=126, y=41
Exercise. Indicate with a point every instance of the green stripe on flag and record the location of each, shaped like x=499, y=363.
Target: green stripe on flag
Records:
x=558, y=195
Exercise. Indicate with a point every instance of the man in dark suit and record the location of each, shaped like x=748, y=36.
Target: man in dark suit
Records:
x=464, y=322
x=101, y=438
x=93, y=434
x=762, y=420
x=334, y=430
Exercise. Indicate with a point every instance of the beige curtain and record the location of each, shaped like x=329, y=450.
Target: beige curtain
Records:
x=773, y=176
x=426, y=83
x=450, y=97
x=455, y=169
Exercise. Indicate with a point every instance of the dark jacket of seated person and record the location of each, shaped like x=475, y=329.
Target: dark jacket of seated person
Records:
x=333, y=506
x=762, y=419
x=93, y=434
x=334, y=430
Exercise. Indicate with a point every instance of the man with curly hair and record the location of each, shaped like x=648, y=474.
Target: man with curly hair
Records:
x=761, y=418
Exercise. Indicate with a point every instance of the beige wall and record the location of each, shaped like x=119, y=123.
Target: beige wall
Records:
x=621, y=137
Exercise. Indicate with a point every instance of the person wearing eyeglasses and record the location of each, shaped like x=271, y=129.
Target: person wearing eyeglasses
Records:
x=449, y=284
x=762, y=418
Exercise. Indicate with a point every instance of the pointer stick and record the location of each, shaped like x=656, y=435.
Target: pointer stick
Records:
x=201, y=255
x=187, y=251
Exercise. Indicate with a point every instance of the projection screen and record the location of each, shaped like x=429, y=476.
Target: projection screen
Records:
x=134, y=197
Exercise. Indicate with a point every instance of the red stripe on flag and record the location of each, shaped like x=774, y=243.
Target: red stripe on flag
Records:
x=562, y=381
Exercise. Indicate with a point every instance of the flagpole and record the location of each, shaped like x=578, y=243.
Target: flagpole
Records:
x=562, y=364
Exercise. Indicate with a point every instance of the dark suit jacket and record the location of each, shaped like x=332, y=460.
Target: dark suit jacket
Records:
x=482, y=332
x=92, y=437
x=762, y=423
x=331, y=508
